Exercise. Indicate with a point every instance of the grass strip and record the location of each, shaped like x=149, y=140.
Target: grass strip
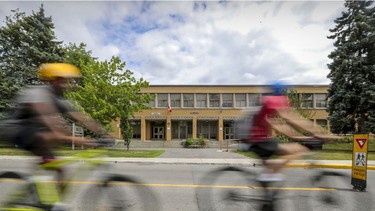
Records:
x=69, y=152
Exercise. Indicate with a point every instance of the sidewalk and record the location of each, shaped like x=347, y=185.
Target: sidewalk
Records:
x=212, y=156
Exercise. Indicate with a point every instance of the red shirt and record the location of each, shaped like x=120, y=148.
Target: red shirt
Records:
x=260, y=129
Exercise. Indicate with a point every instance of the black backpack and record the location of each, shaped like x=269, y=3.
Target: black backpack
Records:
x=242, y=126
x=9, y=125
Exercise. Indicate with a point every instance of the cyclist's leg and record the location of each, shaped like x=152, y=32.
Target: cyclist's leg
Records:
x=32, y=139
x=265, y=150
x=289, y=152
x=41, y=144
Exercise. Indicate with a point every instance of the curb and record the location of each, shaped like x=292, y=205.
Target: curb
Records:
x=317, y=165
x=241, y=162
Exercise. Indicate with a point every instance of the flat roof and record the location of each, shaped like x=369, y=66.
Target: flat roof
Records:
x=231, y=85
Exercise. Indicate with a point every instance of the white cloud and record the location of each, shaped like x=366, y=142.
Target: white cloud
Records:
x=239, y=42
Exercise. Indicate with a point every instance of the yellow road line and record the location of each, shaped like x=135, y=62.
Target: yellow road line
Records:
x=191, y=185
x=332, y=166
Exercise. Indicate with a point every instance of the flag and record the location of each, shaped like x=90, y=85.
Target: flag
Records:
x=169, y=107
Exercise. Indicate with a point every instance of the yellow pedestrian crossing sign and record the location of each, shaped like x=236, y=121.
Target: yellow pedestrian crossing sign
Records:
x=359, y=161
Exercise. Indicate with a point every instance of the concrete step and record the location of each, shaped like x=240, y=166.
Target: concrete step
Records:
x=174, y=144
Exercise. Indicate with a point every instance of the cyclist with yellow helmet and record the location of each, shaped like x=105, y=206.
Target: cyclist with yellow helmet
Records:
x=40, y=122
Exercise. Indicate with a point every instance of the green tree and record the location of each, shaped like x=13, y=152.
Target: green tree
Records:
x=78, y=55
x=352, y=71
x=126, y=130
x=296, y=101
x=25, y=43
x=109, y=92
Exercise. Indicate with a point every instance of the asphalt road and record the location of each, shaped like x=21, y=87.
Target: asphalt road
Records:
x=187, y=186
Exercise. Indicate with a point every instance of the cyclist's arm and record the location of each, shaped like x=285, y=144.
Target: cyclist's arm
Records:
x=87, y=121
x=51, y=118
x=281, y=127
x=297, y=121
x=69, y=108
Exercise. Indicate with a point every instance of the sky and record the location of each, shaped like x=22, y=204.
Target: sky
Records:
x=201, y=42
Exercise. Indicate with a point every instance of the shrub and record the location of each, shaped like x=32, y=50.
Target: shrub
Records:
x=191, y=143
x=348, y=139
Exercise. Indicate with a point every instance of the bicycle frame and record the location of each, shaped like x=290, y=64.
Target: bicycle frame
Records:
x=322, y=188
x=46, y=189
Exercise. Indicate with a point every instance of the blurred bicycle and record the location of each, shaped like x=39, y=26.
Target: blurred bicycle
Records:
x=242, y=188
x=106, y=190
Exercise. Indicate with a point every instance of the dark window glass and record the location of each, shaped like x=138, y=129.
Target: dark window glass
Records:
x=214, y=100
x=162, y=100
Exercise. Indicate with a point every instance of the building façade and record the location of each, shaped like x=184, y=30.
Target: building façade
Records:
x=179, y=112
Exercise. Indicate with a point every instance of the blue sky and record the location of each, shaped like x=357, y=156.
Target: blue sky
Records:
x=212, y=42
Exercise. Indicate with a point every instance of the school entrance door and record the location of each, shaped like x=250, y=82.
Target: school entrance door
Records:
x=158, y=133
x=228, y=133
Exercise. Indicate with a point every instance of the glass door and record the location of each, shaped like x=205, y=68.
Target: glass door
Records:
x=158, y=133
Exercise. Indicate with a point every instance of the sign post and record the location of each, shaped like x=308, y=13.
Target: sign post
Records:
x=77, y=131
x=359, y=162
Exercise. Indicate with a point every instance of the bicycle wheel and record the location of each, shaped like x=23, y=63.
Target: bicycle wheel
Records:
x=233, y=188
x=331, y=191
x=17, y=191
x=118, y=192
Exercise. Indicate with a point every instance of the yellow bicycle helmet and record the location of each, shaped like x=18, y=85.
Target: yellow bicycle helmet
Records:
x=51, y=71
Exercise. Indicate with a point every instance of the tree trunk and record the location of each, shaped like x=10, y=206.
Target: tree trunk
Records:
x=126, y=131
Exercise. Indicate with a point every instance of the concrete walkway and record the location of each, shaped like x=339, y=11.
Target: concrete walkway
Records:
x=214, y=157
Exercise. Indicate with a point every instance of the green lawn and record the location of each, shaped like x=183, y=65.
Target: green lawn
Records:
x=69, y=152
x=336, y=151
x=117, y=153
x=323, y=155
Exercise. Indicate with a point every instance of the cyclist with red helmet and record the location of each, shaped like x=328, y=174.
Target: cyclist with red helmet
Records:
x=276, y=114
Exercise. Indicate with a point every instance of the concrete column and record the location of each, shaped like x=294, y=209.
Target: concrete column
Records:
x=221, y=129
x=168, y=127
x=143, y=128
x=148, y=130
x=194, y=127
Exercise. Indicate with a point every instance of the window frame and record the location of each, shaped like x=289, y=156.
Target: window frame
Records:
x=227, y=103
x=199, y=100
x=242, y=103
x=254, y=102
x=187, y=101
x=162, y=103
x=307, y=103
x=175, y=100
x=319, y=102
x=214, y=100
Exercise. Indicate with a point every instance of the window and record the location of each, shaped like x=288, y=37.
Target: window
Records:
x=214, y=100
x=227, y=100
x=136, y=129
x=240, y=100
x=175, y=100
x=306, y=100
x=322, y=123
x=207, y=129
x=254, y=100
x=188, y=100
x=162, y=100
x=320, y=100
x=201, y=100
x=152, y=101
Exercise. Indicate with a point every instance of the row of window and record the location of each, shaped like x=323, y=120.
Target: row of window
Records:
x=206, y=129
x=237, y=100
